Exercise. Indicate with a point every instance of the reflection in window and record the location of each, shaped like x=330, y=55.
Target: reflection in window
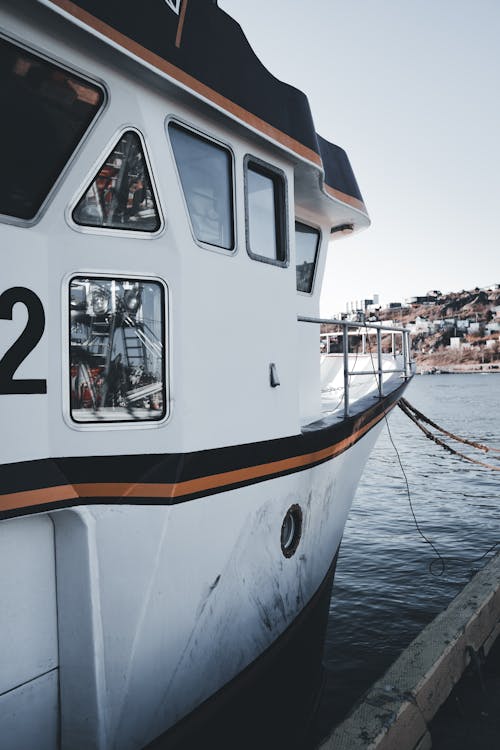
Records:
x=117, y=360
x=306, y=253
x=205, y=170
x=265, y=208
x=121, y=196
x=45, y=113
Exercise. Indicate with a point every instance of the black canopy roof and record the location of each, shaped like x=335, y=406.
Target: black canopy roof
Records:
x=201, y=46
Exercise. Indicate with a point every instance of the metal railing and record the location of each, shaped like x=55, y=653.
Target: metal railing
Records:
x=364, y=330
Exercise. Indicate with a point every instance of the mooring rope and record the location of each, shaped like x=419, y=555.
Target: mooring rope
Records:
x=459, y=439
x=441, y=562
x=417, y=417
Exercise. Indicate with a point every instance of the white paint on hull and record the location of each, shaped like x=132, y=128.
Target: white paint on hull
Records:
x=28, y=618
x=184, y=597
x=159, y=607
x=29, y=715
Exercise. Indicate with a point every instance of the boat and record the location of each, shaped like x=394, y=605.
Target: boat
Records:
x=177, y=458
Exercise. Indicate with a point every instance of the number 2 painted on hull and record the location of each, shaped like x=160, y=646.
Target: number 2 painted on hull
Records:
x=26, y=342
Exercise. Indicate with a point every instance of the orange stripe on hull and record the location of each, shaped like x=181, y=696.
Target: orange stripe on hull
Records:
x=169, y=491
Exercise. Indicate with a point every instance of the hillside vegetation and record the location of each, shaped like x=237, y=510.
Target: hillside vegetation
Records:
x=454, y=331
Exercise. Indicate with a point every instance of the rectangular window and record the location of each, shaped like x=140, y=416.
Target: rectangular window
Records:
x=266, y=212
x=117, y=358
x=306, y=255
x=46, y=111
x=206, y=174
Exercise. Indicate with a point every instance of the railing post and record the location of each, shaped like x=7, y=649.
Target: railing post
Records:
x=344, y=326
x=406, y=352
x=379, y=362
x=345, y=349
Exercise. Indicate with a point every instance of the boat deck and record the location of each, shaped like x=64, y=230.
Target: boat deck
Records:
x=363, y=385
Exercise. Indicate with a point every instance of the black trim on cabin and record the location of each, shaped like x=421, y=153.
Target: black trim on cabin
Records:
x=338, y=171
x=215, y=51
x=207, y=44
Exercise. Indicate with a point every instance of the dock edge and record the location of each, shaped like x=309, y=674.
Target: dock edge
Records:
x=395, y=712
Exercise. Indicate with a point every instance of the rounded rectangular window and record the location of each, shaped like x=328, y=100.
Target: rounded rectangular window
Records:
x=266, y=212
x=117, y=356
x=206, y=174
x=46, y=112
x=306, y=256
x=121, y=194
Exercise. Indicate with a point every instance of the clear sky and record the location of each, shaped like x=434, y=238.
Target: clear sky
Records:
x=411, y=90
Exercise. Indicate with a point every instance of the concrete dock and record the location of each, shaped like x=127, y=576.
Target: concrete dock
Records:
x=397, y=712
x=470, y=717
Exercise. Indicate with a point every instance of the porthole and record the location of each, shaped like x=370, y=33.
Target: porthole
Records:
x=291, y=530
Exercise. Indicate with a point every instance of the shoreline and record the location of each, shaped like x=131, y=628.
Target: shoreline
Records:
x=456, y=369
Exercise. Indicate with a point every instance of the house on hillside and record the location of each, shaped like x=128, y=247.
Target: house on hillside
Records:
x=420, y=300
x=422, y=325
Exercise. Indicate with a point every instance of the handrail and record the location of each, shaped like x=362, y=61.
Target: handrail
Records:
x=378, y=328
x=350, y=324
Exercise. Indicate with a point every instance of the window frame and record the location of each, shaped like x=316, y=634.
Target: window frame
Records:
x=316, y=258
x=97, y=425
x=94, y=80
x=91, y=176
x=204, y=136
x=280, y=211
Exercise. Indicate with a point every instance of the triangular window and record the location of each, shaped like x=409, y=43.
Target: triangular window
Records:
x=121, y=194
x=175, y=5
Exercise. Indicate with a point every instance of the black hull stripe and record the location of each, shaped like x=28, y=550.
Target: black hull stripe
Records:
x=167, y=479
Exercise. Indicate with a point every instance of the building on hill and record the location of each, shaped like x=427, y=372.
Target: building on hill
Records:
x=425, y=300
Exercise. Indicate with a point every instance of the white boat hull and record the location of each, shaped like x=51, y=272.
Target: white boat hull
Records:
x=160, y=607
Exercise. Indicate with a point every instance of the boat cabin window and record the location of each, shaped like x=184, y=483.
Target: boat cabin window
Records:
x=117, y=357
x=121, y=194
x=46, y=111
x=206, y=174
x=306, y=255
x=265, y=194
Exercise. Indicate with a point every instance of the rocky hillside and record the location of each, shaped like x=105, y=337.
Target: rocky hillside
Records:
x=457, y=330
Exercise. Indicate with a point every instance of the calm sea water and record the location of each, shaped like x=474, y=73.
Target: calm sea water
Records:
x=384, y=593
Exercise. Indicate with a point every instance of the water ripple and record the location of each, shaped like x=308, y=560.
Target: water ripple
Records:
x=384, y=592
